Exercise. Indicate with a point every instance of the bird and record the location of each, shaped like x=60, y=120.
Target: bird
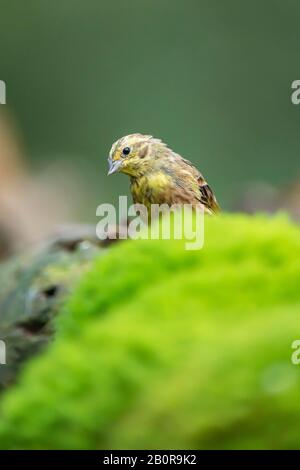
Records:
x=158, y=175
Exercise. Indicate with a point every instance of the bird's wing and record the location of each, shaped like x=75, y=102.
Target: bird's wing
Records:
x=203, y=191
x=208, y=198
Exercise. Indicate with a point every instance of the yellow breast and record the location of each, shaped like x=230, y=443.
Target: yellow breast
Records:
x=151, y=189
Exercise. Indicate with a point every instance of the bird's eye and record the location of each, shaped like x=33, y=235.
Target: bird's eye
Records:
x=126, y=151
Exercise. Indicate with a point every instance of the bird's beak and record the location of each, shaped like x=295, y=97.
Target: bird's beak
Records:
x=114, y=166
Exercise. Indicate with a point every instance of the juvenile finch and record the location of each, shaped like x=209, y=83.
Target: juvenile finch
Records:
x=158, y=175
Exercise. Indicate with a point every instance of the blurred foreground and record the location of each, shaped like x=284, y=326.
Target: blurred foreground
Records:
x=160, y=347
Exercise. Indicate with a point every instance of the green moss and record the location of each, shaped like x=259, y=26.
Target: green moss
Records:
x=160, y=347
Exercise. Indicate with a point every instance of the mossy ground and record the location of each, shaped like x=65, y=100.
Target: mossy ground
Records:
x=160, y=347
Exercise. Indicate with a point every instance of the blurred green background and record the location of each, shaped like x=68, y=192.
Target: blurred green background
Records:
x=211, y=78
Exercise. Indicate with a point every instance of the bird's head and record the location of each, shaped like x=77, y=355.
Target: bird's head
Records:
x=135, y=154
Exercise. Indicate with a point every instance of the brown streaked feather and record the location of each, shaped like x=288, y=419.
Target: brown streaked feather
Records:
x=208, y=198
x=190, y=177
